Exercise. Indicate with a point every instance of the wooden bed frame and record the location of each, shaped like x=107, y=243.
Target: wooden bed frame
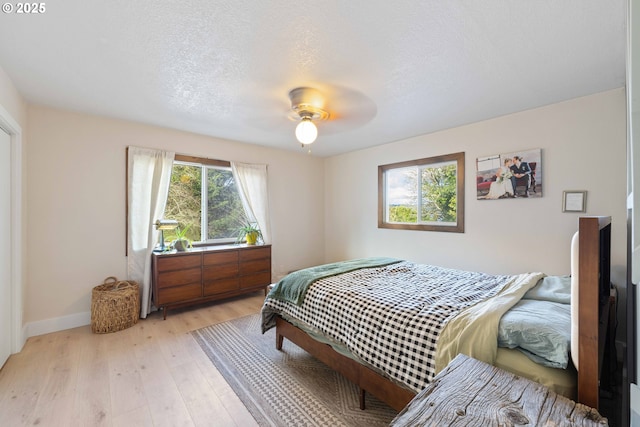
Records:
x=593, y=304
x=594, y=276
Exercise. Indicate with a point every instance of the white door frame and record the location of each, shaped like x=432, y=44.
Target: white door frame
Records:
x=15, y=132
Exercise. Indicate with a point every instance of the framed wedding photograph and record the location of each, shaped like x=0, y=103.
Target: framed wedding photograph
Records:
x=574, y=201
x=516, y=174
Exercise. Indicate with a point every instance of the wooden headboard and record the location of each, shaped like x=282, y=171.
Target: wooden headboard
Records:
x=593, y=303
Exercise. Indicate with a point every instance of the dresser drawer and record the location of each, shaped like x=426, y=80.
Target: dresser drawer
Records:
x=168, y=263
x=178, y=294
x=255, y=253
x=222, y=271
x=220, y=286
x=255, y=266
x=179, y=277
x=224, y=257
x=255, y=280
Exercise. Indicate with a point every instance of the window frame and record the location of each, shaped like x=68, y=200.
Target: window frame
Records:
x=204, y=162
x=458, y=227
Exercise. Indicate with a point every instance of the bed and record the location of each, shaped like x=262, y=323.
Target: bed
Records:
x=375, y=322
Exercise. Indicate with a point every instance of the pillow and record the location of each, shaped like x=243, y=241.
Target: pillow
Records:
x=551, y=288
x=538, y=328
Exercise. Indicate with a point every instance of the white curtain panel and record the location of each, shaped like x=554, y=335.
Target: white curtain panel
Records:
x=252, y=186
x=149, y=174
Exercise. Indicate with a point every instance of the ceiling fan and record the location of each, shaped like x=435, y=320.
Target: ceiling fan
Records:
x=310, y=106
x=307, y=105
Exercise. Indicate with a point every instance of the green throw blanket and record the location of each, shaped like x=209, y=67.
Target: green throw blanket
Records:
x=293, y=286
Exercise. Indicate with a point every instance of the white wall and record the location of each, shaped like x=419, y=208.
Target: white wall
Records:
x=12, y=101
x=583, y=144
x=76, y=196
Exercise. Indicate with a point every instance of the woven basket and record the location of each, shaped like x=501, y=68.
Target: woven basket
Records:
x=115, y=305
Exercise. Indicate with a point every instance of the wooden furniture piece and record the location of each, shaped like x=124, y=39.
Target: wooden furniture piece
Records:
x=593, y=307
x=470, y=392
x=594, y=267
x=366, y=378
x=208, y=273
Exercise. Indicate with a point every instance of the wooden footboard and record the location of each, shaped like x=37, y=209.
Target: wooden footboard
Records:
x=365, y=378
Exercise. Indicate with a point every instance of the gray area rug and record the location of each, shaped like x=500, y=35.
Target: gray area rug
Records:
x=288, y=387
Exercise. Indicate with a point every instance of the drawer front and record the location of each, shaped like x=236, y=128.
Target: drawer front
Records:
x=255, y=253
x=224, y=257
x=169, y=263
x=255, y=280
x=255, y=266
x=220, y=286
x=179, y=277
x=178, y=294
x=222, y=271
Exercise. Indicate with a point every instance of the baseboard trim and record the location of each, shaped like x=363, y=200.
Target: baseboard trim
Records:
x=56, y=324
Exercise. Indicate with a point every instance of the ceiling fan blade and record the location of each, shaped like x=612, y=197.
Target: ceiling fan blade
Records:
x=270, y=110
x=348, y=109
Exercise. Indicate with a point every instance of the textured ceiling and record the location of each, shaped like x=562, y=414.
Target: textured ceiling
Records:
x=389, y=69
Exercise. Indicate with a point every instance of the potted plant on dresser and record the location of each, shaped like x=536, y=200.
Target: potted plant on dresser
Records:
x=250, y=233
x=181, y=243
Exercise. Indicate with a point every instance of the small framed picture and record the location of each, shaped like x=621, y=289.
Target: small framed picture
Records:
x=574, y=201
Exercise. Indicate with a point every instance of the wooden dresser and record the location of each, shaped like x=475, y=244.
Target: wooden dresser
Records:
x=208, y=273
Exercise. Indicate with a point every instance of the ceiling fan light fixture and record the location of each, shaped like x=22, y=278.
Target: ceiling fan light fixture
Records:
x=307, y=105
x=306, y=131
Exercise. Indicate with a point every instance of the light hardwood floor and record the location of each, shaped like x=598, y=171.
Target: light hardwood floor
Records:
x=152, y=374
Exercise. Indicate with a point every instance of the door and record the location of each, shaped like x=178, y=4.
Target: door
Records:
x=6, y=311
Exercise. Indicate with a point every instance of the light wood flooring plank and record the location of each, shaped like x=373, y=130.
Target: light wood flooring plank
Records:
x=125, y=382
x=140, y=417
x=203, y=403
x=54, y=412
x=166, y=404
x=22, y=390
x=92, y=404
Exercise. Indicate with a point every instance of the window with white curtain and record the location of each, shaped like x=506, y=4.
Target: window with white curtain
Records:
x=204, y=199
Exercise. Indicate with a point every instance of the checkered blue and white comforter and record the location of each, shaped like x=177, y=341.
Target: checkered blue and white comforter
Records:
x=389, y=317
